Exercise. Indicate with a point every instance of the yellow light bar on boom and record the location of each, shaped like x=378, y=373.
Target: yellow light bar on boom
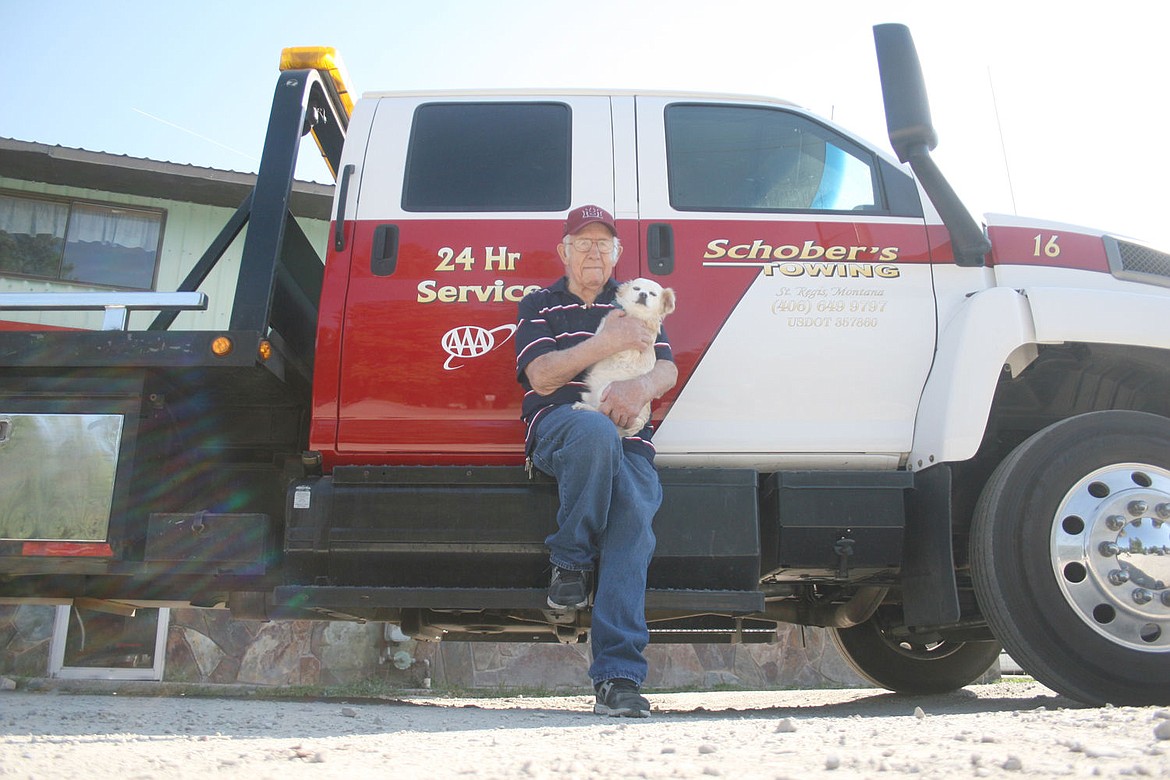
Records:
x=324, y=59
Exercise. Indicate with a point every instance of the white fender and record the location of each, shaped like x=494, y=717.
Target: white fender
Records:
x=972, y=350
x=1002, y=326
x=1101, y=316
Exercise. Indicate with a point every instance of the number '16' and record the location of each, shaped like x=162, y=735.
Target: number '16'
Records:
x=1050, y=249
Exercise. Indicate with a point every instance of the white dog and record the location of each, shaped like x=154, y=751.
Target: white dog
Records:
x=648, y=302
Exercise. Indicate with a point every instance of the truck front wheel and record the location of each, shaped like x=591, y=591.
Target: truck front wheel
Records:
x=913, y=665
x=1070, y=557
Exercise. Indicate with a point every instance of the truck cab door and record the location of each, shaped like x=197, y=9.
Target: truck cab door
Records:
x=805, y=324
x=459, y=208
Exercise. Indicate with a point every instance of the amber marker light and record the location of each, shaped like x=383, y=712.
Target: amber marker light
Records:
x=326, y=60
x=264, y=349
x=221, y=346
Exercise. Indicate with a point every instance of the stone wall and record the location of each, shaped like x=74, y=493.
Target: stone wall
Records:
x=205, y=645
x=792, y=661
x=208, y=646
x=25, y=633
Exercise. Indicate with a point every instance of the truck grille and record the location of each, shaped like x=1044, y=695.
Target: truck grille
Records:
x=1137, y=262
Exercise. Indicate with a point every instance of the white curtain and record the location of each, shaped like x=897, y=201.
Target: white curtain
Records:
x=117, y=227
x=33, y=217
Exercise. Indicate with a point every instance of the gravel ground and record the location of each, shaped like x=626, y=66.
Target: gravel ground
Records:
x=1013, y=728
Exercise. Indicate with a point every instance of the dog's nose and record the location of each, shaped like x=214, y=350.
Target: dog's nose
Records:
x=642, y=298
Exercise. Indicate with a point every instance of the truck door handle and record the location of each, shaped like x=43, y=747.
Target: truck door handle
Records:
x=342, y=195
x=384, y=254
x=660, y=248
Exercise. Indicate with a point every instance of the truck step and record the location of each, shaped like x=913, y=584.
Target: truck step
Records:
x=311, y=597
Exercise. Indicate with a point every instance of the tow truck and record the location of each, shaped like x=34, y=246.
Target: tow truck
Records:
x=934, y=436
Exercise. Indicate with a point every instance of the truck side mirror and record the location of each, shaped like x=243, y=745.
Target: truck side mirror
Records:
x=912, y=136
x=903, y=92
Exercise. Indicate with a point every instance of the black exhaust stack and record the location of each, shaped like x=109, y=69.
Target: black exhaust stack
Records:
x=912, y=136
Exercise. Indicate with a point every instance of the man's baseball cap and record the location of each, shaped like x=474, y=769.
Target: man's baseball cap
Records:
x=585, y=215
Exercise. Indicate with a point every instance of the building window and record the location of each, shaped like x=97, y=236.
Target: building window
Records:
x=126, y=644
x=489, y=157
x=739, y=158
x=81, y=242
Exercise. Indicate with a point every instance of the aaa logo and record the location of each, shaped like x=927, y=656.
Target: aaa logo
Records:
x=471, y=341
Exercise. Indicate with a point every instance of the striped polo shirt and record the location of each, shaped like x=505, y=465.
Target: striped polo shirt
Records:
x=554, y=318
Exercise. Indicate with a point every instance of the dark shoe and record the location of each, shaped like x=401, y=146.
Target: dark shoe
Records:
x=619, y=698
x=568, y=589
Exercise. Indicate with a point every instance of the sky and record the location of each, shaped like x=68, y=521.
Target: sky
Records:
x=1056, y=110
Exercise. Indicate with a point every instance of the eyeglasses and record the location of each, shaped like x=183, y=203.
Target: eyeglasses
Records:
x=604, y=245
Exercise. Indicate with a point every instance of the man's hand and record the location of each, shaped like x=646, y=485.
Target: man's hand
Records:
x=623, y=401
x=620, y=332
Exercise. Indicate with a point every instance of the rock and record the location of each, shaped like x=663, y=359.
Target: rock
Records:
x=718, y=677
x=205, y=654
x=832, y=762
x=707, y=748
x=7, y=684
x=785, y=726
x=349, y=712
x=918, y=713
x=1162, y=730
x=1013, y=764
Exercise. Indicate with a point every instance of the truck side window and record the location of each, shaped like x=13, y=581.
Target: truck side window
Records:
x=744, y=158
x=489, y=157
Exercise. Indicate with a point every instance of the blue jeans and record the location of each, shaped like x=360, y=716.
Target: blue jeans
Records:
x=608, y=501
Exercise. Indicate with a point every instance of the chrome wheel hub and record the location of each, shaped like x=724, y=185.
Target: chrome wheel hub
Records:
x=1110, y=551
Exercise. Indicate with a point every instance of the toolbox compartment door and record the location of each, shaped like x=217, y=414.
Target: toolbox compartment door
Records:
x=57, y=475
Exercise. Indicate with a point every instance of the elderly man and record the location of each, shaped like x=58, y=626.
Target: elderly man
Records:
x=609, y=490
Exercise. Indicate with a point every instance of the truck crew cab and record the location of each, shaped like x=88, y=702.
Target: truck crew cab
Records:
x=930, y=435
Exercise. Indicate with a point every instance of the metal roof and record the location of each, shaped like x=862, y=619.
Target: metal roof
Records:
x=29, y=161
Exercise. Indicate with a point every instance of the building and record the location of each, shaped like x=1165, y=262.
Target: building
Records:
x=78, y=221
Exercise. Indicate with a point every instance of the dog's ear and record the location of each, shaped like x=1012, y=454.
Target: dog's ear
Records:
x=667, y=301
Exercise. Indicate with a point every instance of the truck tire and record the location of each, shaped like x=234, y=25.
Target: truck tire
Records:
x=1070, y=557
x=908, y=666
